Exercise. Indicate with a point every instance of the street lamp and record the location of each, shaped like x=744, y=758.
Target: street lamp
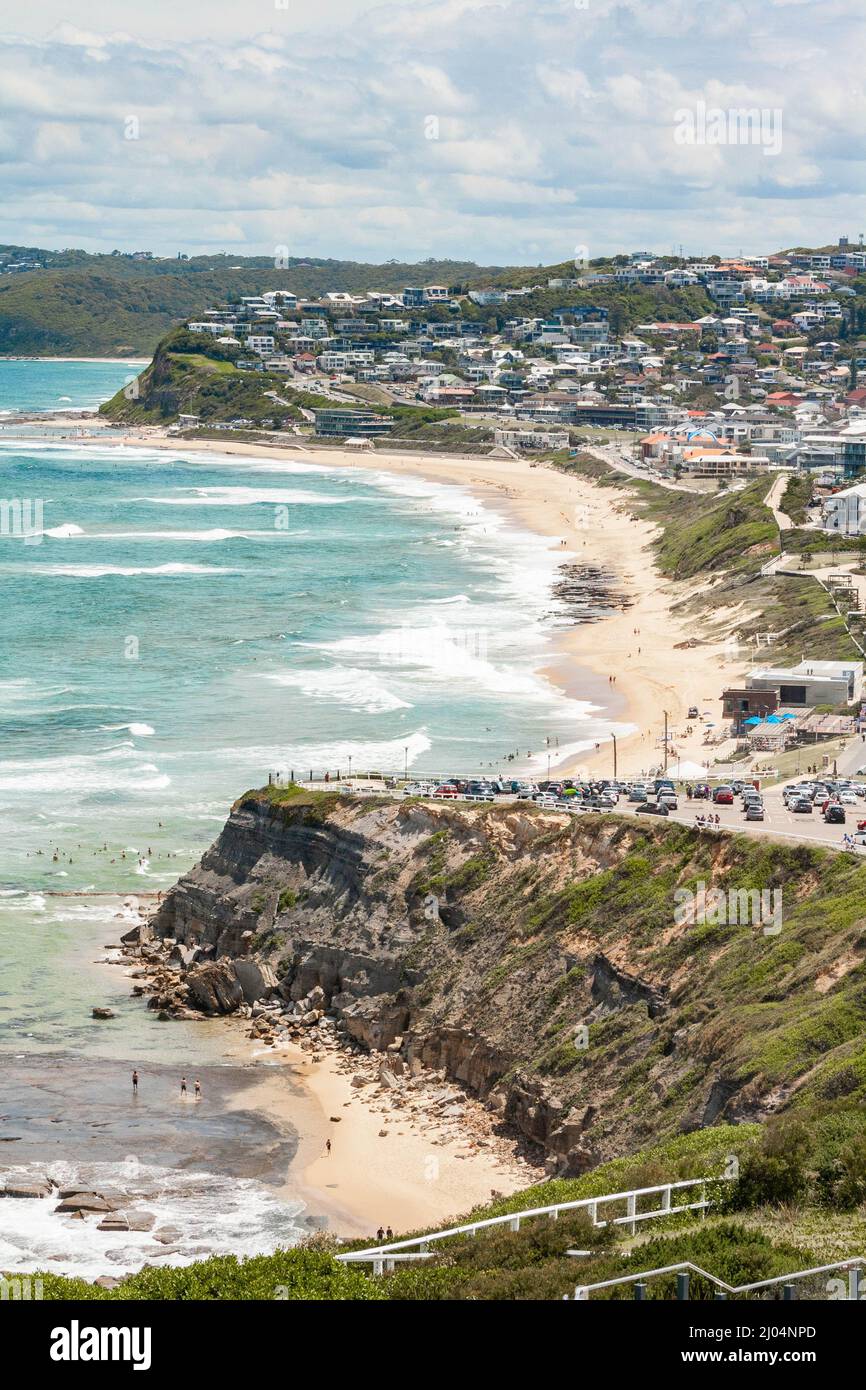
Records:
x=405, y=762
x=613, y=737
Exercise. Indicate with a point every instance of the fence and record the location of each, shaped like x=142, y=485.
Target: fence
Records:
x=835, y=1289
x=382, y=1257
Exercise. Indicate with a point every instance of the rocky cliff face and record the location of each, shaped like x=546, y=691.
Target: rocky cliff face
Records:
x=536, y=959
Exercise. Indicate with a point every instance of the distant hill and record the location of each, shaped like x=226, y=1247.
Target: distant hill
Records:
x=114, y=306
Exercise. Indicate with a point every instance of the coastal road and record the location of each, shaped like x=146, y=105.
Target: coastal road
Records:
x=611, y=455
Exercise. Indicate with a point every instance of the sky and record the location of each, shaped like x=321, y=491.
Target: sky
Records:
x=523, y=131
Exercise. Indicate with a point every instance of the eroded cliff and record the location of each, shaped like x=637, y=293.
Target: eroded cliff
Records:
x=538, y=959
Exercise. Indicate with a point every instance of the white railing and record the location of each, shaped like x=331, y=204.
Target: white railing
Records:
x=852, y=1266
x=417, y=1247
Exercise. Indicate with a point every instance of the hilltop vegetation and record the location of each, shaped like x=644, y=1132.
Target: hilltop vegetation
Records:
x=115, y=306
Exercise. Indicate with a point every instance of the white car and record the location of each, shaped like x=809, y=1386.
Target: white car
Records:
x=847, y=798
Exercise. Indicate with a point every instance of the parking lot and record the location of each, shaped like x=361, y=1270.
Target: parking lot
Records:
x=779, y=822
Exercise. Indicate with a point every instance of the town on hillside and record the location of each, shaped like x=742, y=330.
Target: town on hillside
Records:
x=766, y=379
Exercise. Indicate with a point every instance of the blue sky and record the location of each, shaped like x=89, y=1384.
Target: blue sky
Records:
x=500, y=132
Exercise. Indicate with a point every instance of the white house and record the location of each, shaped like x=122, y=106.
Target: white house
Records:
x=845, y=511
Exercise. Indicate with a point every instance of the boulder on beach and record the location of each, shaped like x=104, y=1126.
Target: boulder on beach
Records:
x=215, y=988
x=83, y=1202
x=102, y=1013
x=40, y=1187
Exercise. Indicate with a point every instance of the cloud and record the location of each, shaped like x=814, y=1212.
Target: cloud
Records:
x=552, y=125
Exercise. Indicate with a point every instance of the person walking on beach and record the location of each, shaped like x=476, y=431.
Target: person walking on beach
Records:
x=135, y=1083
x=197, y=1089
x=183, y=1085
x=327, y=1146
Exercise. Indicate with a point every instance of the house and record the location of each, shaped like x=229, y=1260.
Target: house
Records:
x=811, y=683
x=845, y=512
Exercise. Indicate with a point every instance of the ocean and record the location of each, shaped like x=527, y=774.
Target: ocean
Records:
x=174, y=628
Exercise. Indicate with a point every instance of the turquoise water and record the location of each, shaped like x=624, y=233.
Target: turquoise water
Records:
x=175, y=628
x=36, y=385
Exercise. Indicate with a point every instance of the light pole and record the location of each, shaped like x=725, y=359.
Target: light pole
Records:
x=405, y=763
x=666, y=741
x=350, y=767
x=613, y=738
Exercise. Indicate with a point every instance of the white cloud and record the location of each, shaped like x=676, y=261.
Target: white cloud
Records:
x=309, y=125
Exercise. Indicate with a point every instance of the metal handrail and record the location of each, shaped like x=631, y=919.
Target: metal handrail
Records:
x=853, y=1264
x=591, y=1204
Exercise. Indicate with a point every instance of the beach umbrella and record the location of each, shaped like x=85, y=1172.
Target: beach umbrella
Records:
x=753, y=721
x=773, y=719
x=789, y=715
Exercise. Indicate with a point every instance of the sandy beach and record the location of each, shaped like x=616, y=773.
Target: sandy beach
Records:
x=642, y=647
x=385, y=1166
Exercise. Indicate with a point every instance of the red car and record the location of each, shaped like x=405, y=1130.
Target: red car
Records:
x=723, y=796
x=447, y=791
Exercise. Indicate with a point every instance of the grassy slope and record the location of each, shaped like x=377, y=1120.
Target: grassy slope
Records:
x=725, y=540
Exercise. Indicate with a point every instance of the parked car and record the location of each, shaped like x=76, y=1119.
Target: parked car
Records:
x=848, y=798
x=450, y=792
x=835, y=814
x=801, y=805
x=754, y=811
x=701, y=792
x=637, y=794
x=693, y=712
x=723, y=796
x=652, y=808
x=668, y=799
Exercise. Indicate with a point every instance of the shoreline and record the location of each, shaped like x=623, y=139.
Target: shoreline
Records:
x=634, y=645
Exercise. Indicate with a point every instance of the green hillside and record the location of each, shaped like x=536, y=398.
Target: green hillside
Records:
x=115, y=306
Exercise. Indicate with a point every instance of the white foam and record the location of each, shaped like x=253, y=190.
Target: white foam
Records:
x=213, y=1213
x=246, y=497
x=137, y=730
x=81, y=571
x=347, y=685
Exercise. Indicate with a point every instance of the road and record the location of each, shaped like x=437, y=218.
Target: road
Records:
x=611, y=455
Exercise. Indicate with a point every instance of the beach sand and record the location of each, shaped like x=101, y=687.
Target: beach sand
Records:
x=641, y=646
x=421, y=1173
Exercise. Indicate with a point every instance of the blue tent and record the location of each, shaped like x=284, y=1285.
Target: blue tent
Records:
x=754, y=720
x=773, y=719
